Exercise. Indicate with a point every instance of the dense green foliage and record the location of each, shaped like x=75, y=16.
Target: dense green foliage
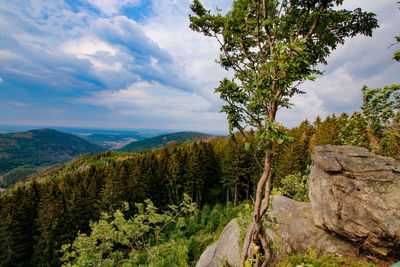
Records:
x=41, y=214
x=295, y=186
x=38, y=148
x=175, y=237
x=312, y=258
x=162, y=140
x=18, y=174
x=115, y=240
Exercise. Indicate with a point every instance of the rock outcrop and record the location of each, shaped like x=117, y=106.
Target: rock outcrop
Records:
x=356, y=194
x=225, y=249
x=298, y=232
x=296, y=229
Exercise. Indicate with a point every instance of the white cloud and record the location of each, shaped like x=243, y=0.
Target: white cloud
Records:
x=1, y=80
x=152, y=97
x=193, y=53
x=85, y=46
x=48, y=44
x=156, y=103
x=110, y=7
x=96, y=51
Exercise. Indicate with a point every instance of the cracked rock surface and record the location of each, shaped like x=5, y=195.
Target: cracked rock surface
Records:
x=356, y=194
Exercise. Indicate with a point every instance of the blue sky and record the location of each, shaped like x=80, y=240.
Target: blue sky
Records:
x=136, y=64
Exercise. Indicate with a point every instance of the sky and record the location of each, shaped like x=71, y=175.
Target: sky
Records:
x=136, y=64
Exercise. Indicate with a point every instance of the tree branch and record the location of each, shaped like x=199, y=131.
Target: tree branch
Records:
x=270, y=41
x=257, y=6
x=228, y=56
x=303, y=22
x=246, y=53
x=316, y=22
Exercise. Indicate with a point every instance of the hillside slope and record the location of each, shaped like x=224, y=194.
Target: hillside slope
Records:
x=21, y=153
x=162, y=140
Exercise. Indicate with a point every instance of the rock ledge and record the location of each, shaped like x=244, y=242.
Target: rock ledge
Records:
x=356, y=194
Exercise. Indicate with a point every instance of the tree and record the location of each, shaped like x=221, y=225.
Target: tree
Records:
x=381, y=107
x=328, y=132
x=272, y=46
x=355, y=131
x=234, y=168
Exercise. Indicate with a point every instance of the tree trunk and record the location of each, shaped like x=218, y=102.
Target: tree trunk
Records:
x=257, y=233
x=227, y=195
x=235, y=199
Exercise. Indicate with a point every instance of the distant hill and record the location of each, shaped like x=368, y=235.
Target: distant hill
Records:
x=112, y=141
x=23, y=153
x=162, y=140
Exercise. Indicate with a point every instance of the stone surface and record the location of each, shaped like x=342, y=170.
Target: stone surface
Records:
x=356, y=194
x=225, y=249
x=296, y=229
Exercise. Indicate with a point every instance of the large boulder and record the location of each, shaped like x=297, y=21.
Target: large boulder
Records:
x=296, y=230
x=356, y=194
x=225, y=249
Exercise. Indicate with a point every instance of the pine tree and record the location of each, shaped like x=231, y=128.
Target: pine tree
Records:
x=175, y=179
x=328, y=132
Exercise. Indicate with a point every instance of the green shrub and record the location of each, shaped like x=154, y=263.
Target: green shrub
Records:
x=295, y=186
x=313, y=259
x=115, y=240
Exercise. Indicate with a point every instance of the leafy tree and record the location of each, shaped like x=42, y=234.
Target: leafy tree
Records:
x=116, y=241
x=293, y=157
x=272, y=46
x=380, y=108
x=355, y=131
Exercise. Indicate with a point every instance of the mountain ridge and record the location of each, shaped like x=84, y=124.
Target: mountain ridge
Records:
x=22, y=153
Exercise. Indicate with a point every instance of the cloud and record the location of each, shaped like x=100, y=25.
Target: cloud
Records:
x=134, y=62
x=155, y=103
x=1, y=80
x=110, y=7
x=19, y=104
x=79, y=51
x=55, y=111
x=194, y=54
x=360, y=61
